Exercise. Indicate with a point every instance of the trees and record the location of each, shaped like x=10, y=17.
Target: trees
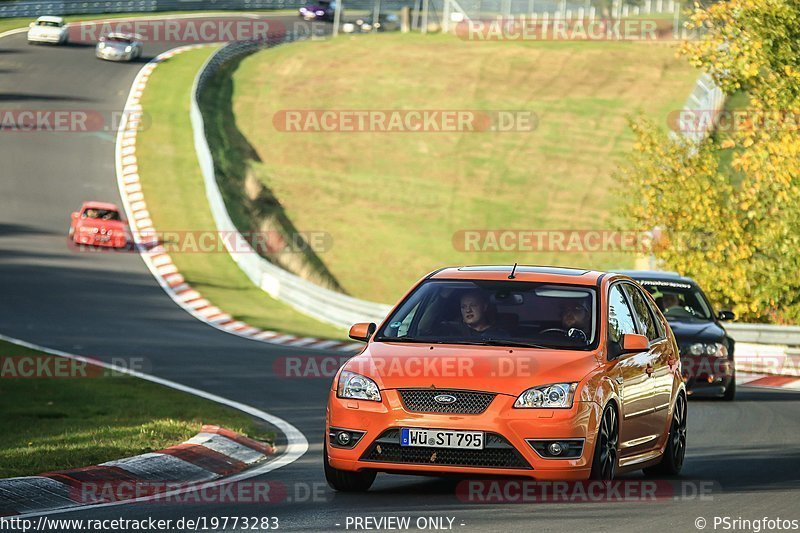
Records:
x=740, y=238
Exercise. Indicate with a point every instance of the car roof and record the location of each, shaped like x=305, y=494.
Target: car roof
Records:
x=100, y=205
x=656, y=275
x=49, y=18
x=549, y=274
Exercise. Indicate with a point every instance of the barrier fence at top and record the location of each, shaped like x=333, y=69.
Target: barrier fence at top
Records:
x=470, y=8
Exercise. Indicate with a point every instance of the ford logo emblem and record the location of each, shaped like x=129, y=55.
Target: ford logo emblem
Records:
x=445, y=398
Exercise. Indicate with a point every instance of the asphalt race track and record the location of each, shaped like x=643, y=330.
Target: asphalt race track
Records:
x=107, y=305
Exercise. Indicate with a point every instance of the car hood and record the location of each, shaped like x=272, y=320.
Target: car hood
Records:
x=497, y=369
x=696, y=331
x=119, y=47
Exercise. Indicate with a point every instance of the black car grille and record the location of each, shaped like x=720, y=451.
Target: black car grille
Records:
x=467, y=402
x=497, y=453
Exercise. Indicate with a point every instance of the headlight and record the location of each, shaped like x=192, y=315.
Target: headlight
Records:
x=128, y=48
x=357, y=387
x=715, y=349
x=101, y=45
x=555, y=396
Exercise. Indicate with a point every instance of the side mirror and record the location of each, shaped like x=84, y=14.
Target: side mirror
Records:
x=726, y=315
x=362, y=331
x=633, y=342
x=32, y=24
x=75, y=214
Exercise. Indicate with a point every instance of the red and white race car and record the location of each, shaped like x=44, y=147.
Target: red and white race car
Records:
x=98, y=224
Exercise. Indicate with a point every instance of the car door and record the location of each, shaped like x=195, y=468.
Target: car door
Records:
x=630, y=373
x=661, y=360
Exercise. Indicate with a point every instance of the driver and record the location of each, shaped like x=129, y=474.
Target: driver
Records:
x=670, y=301
x=575, y=321
x=476, y=318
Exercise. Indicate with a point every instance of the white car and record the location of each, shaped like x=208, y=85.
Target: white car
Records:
x=48, y=30
x=119, y=47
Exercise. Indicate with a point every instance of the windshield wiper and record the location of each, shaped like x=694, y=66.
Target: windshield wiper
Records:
x=500, y=342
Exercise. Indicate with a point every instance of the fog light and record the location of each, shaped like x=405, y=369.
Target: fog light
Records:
x=711, y=378
x=343, y=438
x=555, y=448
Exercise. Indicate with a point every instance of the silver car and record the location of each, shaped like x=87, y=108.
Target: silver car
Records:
x=119, y=47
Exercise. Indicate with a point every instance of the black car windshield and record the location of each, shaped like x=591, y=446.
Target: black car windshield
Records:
x=103, y=214
x=506, y=313
x=679, y=301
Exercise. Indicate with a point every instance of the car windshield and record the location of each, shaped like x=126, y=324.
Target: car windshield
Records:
x=679, y=301
x=102, y=214
x=119, y=39
x=506, y=313
x=48, y=23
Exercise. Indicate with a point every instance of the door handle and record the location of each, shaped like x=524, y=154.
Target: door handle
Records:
x=649, y=369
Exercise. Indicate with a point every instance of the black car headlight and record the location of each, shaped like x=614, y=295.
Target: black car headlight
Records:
x=715, y=349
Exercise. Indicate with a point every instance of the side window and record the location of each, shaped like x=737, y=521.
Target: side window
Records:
x=642, y=311
x=620, y=319
x=657, y=319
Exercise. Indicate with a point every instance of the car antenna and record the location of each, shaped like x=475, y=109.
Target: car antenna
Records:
x=511, y=276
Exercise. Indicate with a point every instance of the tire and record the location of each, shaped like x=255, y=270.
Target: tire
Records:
x=604, y=463
x=344, y=480
x=672, y=460
x=730, y=392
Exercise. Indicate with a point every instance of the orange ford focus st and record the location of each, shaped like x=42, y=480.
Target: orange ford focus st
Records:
x=550, y=373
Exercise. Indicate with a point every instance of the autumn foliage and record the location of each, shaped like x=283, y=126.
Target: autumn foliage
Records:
x=728, y=207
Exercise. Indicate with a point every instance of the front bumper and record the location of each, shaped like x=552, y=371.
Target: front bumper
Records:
x=94, y=239
x=506, y=452
x=110, y=55
x=707, y=376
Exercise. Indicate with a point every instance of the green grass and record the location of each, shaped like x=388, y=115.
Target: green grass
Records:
x=59, y=423
x=175, y=194
x=392, y=202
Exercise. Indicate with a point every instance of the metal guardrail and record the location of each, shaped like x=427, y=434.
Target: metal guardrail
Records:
x=308, y=298
x=35, y=8
x=765, y=333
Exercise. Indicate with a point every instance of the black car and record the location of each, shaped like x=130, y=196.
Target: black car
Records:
x=706, y=348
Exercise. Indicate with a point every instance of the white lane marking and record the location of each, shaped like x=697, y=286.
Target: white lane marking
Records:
x=296, y=447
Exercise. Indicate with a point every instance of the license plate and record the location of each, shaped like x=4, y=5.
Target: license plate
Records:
x=103, y=238
x=441, y=438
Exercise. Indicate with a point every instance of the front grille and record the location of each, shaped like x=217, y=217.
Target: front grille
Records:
x=497, y=453
x=466, y=403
